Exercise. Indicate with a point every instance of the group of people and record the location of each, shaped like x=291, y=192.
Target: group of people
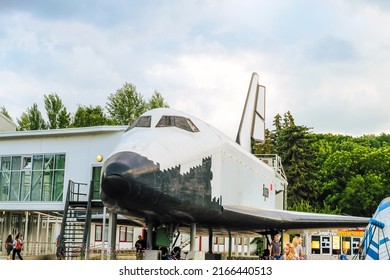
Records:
x=291, y=251
x=15, y=246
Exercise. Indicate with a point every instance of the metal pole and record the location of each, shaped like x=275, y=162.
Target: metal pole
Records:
x=104, y=231
x=26, y=232
x=230, y=245
x=210, y=241
x=112, y=235
x=192, y=236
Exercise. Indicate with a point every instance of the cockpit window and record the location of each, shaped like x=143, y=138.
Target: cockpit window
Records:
x=143, y=121
x=180, y=122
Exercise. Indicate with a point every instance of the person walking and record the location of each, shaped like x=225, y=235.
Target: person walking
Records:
x=275, y=248
x=289, y=252
x=9, y=246
x=18, y=246
x=297, y=243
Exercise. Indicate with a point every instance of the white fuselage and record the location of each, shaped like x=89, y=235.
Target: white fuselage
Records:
x=238, y=177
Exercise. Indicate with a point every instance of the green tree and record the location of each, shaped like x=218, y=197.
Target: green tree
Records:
x=56, y=112
x=125, y=105
x=353, y=172
x=89, y=116
x=265, y=147
x=4, y=111
x=293, y=143
x=157, y=101
x=31, y=119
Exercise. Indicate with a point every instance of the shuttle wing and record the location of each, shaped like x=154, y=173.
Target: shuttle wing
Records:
x=282, y=219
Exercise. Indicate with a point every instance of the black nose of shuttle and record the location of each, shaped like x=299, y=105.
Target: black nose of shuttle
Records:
x=124, y=174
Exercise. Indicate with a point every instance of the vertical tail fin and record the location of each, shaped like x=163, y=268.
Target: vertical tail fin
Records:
x=252, y=125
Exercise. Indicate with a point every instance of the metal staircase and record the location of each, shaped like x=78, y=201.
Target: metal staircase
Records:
x=73, y=241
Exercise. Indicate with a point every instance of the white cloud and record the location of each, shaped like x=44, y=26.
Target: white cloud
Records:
x=326, y=63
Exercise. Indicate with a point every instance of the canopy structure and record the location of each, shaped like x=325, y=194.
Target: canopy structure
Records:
x=376, y=242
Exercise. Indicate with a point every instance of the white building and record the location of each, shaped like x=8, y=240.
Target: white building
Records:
x=35, y=168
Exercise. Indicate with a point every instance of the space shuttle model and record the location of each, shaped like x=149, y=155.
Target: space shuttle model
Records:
x=170, y=168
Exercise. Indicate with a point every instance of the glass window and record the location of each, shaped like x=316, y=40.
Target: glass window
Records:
x=177, y=121
x=16, y=162
x=36, y=187
x=96, y=172
x=6, y=163
x=125, y=234
x=192, y=125
x=98, y=233
x=315, y=244
x=143, y=121
x=26, y=184
x=325, y=244
x=58, y=185
x=15, y=186
x=336, y=245
x=122, y=234
x=4, y=185
x=60, y=162
x=47, y=185
x=181, y=122
x=32, y=177
x=26, y=162
x=48, y=162
x=166, y=121
x=37, y=162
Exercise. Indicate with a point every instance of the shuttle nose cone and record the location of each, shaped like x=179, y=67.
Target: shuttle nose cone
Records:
x=124, y=175
x=115, y=186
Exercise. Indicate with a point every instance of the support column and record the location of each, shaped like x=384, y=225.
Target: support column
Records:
x=237, y=240
x=248, y=247
x=242, y=246
x=37, y=243
x=47, y=234
x=210, y=241
x=104, y=231
x=192, y=237
x=149, y=238
x=230, y=245
x=112, y=223
x=26, y=232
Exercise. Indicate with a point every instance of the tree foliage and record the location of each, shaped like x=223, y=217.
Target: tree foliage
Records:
x=125, y=105
x=4, y=111
x=331, y=173
x=31, y=119
x=293, y=144
x=157, y=101
x=87, y=116
x=56, y=112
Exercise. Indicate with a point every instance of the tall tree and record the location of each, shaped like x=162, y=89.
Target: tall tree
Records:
x=293, y=145
x=157, y=101
x=56, y=112
x=31, y=119
x=89, y=116
x=125, y=105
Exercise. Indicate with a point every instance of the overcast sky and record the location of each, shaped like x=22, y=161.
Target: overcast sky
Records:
x=327, y=62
